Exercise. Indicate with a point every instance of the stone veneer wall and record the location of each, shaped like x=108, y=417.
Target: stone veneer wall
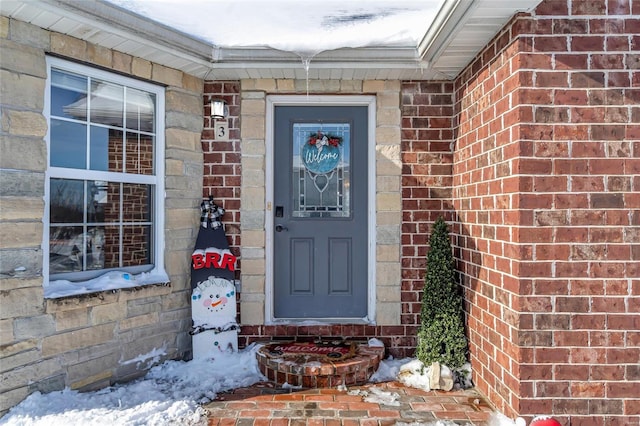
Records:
x=80, y=342
x=546, y=184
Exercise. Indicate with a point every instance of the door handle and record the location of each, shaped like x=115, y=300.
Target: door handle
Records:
x=280, y=228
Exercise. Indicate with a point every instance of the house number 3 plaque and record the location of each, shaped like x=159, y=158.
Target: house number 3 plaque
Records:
x=222, y=130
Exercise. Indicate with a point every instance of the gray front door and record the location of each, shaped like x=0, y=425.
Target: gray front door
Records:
x=320, y=212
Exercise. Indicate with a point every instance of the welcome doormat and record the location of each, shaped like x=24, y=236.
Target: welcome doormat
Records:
x=321, y=351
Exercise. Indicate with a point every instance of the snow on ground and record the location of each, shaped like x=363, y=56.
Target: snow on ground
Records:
x=377, y=396
x=171, y=394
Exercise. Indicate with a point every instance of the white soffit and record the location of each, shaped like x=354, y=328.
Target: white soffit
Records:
x=469, y=27
x=457, y=32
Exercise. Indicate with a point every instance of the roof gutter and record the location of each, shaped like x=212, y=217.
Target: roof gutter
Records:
x=263, y=57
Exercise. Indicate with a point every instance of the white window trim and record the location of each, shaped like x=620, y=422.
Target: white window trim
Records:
x=158, y=274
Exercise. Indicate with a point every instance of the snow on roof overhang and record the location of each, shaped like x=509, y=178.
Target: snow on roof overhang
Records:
x=456, y=33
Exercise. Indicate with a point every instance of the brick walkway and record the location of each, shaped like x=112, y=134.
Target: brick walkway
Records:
x=265, y=404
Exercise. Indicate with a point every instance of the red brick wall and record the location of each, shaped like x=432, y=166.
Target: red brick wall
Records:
x=222, y=159
x=485, y=195
x=427, y=157
x=399, y=340
x=546, y=184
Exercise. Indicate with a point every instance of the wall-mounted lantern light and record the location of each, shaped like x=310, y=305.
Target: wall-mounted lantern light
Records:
x=219, y=115
x=219, y=109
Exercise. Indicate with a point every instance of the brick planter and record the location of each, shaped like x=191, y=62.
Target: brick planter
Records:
x=311, y=371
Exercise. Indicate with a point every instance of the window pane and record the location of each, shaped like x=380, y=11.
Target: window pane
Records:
x=112, y=206
x=66, y=252
x=95, y=247
x=136, y=202
x=68, y=95
x=99, y=208
x=141, y=107
x=106, y=149
x=139, y=154
x=67, y=201
x=107, y=103
x=98, y=153
x=136, y=245
x=111, y=248
x=68, y=144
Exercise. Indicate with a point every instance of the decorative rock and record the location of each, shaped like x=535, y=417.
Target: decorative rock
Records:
x=446, y=379
x=415, y=374
x=434, y=375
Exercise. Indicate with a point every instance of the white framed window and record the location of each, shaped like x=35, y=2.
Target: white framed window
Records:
x=104, y=184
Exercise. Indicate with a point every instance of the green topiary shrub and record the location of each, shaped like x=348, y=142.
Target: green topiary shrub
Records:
x=443, y=340
x=441, y=336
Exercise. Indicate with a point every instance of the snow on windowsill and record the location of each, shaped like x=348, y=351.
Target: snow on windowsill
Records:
x=114, y=280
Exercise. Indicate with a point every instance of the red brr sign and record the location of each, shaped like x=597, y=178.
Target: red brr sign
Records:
x=213, y=260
